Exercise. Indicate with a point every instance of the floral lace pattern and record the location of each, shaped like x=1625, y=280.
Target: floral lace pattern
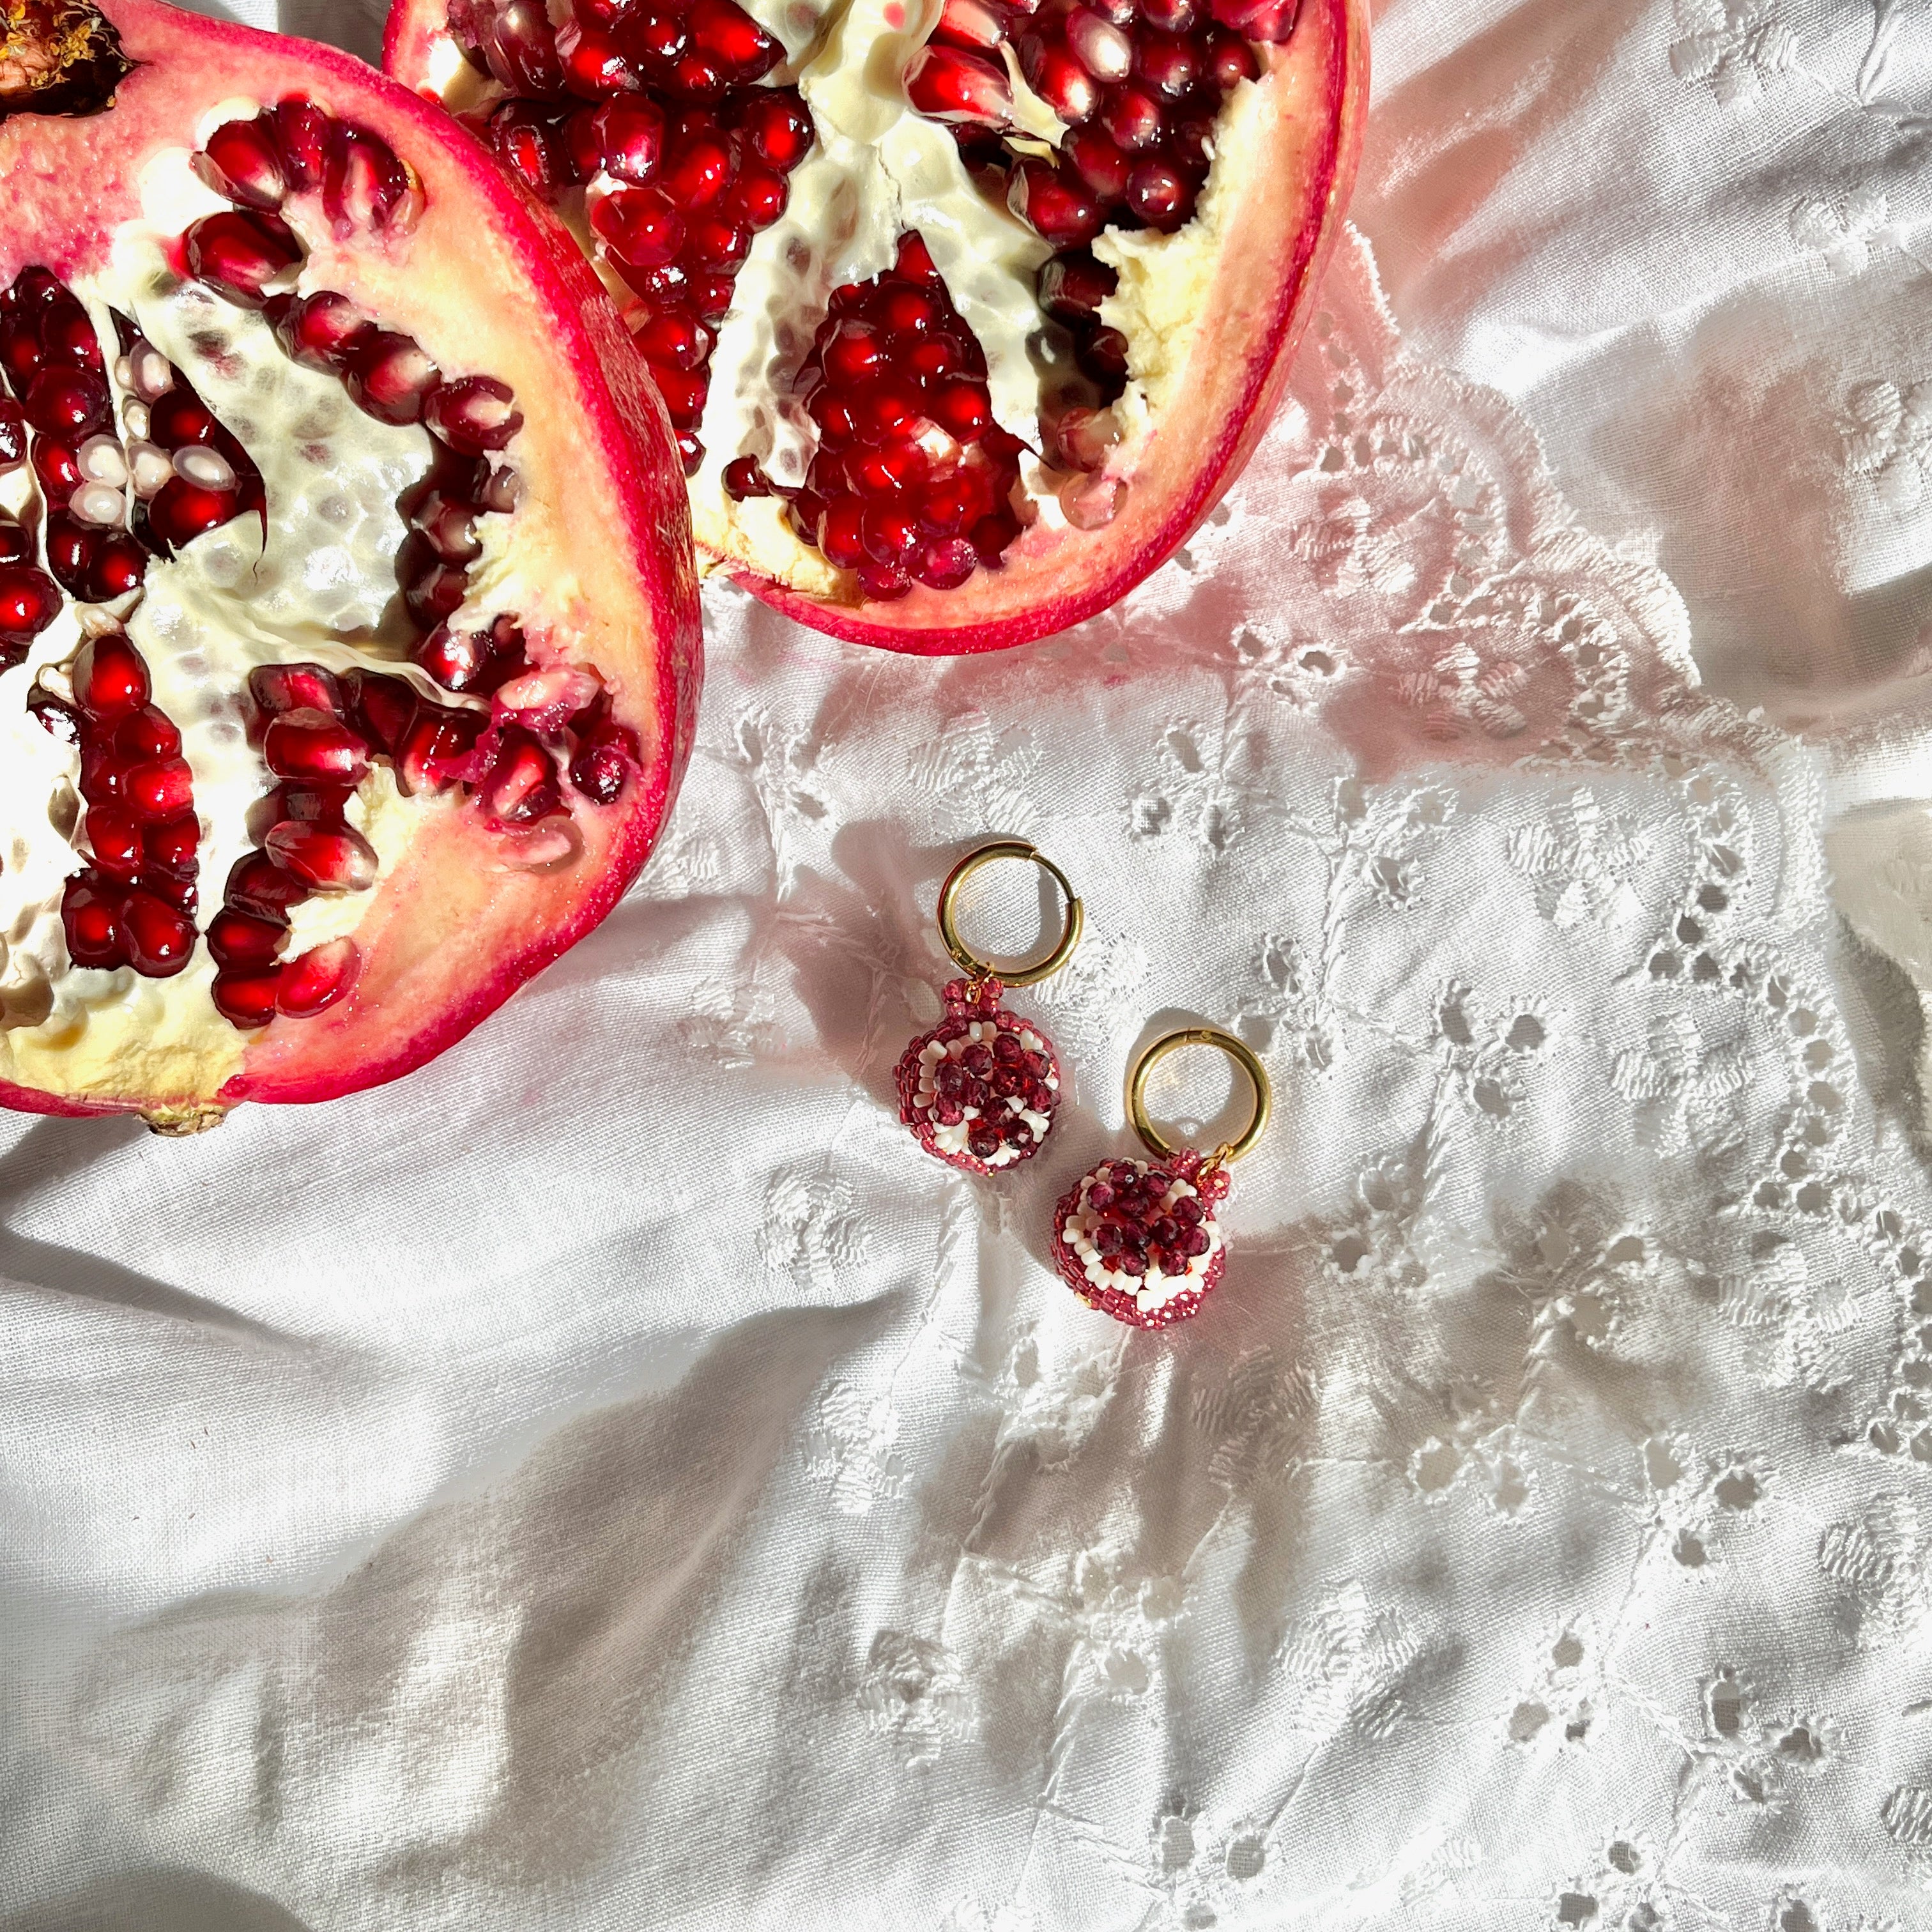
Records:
x=661, y=1495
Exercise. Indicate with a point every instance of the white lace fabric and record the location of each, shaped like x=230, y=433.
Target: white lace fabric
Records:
x=613, y=1479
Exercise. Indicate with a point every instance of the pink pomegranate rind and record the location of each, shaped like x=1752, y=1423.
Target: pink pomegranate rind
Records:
x=1138, y=1225
x=1291, y=201
x=484, y=280
x=980, y=1091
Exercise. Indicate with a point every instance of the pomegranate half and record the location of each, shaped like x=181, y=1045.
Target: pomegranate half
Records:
x=349, y=639
x=966, y=311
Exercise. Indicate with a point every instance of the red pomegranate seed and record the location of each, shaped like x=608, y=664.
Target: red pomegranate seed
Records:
x=656, y=39
x=529, y=139
x=245, y=999
x=683, y=392
x=13, y=436
x=744, y=478
x=1230, y=61
x=240, y=939
x=449, y=527
x=756, y=198
x=673, y=339
x=1104, y=357
x=841, y=535
x=1065, y=86
x=110, y=678
x=29, y=602
x=178, y=419
x=502, y=491
x=1073, y=285
x=603, y=763
x=623, y=138
x=239, y=252
x=883, y=582
x=242, y=160
x=171, y=845
x=728, y=36
x=434, y=741
x=1132, y=116
x=148, y=732
x=321, y=977
x=183, y=512
x=594, y=66
x=1170, y=16
x=71, y=403
x=258, y=886
x=639, y=226
x=1169, y=65
x=521, y=46
x=710, y=298
x=774, y=122
x=390, y=377
x=15, y=545
x=296, y=687
x=699, y=78
x=93, y=924
x=385, y=706
x=522, y=786
x=889, y=534
x=1268, y=21
x=855, y=353
x=432, y=588
x=68, y=338
x=1103, y=169
x=473, y=415
x=71, y=548
x=962, y=407
x=120, y=565
x=116, y=841
x=1099, y=46
x=319, y=330
x=57, y=470
x=1060, y=211
x=1158, y=195
x=712, y=242
x=951, y=85
x=302, y=130
x=159, y=939
x=945, y=563
x=697, y=173
x=163, y=789
x=970, y=23
x=312, y=745
x=326, y=859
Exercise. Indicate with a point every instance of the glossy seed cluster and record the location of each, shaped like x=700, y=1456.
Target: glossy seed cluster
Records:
x=655, y=110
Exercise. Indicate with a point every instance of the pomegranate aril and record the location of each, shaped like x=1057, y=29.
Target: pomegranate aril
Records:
x=520, y=45
x=16, y=546
x=239, y=252
x=160, y=938
x=728, y=35
x=1268, y=21
x=710, y=297
x=1230, y=61
x=1104, y=357
x=743, y=478
x=696, y=173
x=161, y=789
x=92, y=921
x=528, y=137
x=1158, y=195
x=241, y=939
x=951, y=85
x=1169, y=64
x=774, y=122
x=29, y=602
x=390, y=377
x=945, y=563
x=148, y=732
x=257, y=885
x=70, y=404
x=1065, y=86
x=114, y=839
x=385, y=706
x=448, y=526
x=179, y=417
x=1099, y=46
x=673, y=339
x=244, y=999
x=883, y=582
x=313, y=745
x=656, y=40
x=325, y=859
x=970, y=23
x=714, y=243
x=171, y=845
x=320, y=331
x=473, y=414
x=436, y=740
x=961, y=406
x=182, y=511
x=13, y=436
x=1132, y=117
x=321, y=977
x=242, y=160
x=699, y=77
x=521, y=787
x=67, y=339
x=603, y=763
x=302, y=130
x=1103, y=168
x=1073, y=285
x=432, y=588
x=624, y=137
x=594, y=66
x=1059, y=210
x=639, y=226
x=756, y=198
x=110, y=678
x=57, y=470
x=294, y=687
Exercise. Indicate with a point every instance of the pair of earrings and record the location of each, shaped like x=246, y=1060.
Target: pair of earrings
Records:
x=1139, y=1239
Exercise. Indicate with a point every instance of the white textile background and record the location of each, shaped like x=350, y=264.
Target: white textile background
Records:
x=612, y=1479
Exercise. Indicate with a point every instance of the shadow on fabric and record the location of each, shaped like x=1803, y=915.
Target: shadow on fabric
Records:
x=158, y=1901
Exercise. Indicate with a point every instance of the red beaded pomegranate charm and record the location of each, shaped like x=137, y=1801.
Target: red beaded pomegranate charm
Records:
x=1139, y=1239
x=980, y=1089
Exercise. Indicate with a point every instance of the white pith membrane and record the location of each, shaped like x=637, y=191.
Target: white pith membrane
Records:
x=1157, y=1288
x=880, y=170
x=320, y=589
x=952, y=1138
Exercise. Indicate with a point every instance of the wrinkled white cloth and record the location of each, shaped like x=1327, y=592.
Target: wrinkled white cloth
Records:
x=612, y=1479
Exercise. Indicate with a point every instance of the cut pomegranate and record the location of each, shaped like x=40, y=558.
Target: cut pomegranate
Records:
x=1009, y=465
x=304, y=413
